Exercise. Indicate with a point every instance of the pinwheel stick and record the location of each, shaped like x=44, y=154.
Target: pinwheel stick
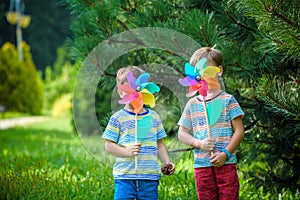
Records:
x=207, y=123
x=136, y=140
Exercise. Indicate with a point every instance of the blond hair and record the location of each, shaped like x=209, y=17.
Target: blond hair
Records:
x=122, y=73
x=214, y=57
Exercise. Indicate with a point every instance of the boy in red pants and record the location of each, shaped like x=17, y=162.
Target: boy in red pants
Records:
x=214, y=154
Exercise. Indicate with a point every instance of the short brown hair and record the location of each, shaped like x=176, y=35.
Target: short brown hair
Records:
x=122, y=73
x=214, y=57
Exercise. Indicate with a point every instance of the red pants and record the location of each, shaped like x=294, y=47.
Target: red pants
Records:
x=217, y=183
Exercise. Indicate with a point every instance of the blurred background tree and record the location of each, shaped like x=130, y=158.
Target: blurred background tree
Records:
x=45, y=36
x=48, y=30
x=20, y=85
x=260, y=41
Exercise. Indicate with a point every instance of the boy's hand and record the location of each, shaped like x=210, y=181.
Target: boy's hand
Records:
x=218, y=159
x=134, y=149
x=208, y=144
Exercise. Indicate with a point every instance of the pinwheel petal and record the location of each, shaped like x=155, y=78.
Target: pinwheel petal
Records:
x=131, y=80
x=145, y=91
x=210, y=71
x=143, y=78
x=187, y=81
x=151, y=87
x=202, y=88
x=189, y=70
x=203, y=91
x=144, y=127
x=149, y=99
x=200, y=65
x=128, y=98
x=214, y=110
x=212, y=82
x=138, y=103
x=125, y=88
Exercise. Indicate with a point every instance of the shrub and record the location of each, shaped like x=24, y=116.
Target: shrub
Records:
x=58, y=86
x=20, y=85
x=62, y=106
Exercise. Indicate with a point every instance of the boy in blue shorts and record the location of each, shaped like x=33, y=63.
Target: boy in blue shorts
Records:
x=214, y=144
x=135, y=179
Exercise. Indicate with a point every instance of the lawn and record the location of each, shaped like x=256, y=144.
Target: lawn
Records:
x=48, y=161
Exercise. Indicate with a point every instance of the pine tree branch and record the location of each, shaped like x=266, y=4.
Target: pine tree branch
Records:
x=287, y=180
x=130, y=10
x=180, y=150
x=87, y=34
x=137, y=42
x=273, y=11
x=89, y=3
x=279, y=42
x=289, y=22
x=181, y=49
x=208, y=44
x=122, y=24
x=251, y=125
x=103, y=27
x=262, y=141
x=287, y=160
x=237, y=22
x=262, y=58
x=109, y=74
x=97, y=63
x=239, y=65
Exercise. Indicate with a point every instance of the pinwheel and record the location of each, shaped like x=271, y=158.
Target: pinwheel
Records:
x=139, y=92
x=201, y=78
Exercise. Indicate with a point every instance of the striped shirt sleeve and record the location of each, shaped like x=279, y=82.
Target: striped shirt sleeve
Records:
x=234, y=109
x=185, y=119
x=112, y=130
x=161, y=133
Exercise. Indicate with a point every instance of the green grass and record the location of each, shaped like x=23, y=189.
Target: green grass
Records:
x=9, y=115
x=49, y=161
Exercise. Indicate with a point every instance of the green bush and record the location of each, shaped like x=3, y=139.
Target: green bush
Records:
x=20, y=86
x=58, y=86
x=58, y=80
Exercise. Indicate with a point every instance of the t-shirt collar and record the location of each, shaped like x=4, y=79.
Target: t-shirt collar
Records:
x=139, y=114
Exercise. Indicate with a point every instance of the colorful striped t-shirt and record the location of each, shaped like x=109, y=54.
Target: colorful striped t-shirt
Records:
x=121, y=129
x=193, y=117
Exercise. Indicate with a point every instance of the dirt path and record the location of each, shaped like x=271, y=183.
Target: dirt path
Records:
x=9, y=123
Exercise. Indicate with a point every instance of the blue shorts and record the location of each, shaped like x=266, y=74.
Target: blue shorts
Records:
x=126, y=189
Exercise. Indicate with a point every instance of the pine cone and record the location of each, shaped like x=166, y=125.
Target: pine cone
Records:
x=166, y=169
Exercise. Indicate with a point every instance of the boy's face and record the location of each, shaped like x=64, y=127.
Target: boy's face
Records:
x=121, y=93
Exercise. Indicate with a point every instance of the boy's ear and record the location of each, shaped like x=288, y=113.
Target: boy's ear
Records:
x=221, y=71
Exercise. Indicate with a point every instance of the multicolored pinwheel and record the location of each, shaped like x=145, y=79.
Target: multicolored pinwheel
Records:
x=138, y=91
x=200, y=78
